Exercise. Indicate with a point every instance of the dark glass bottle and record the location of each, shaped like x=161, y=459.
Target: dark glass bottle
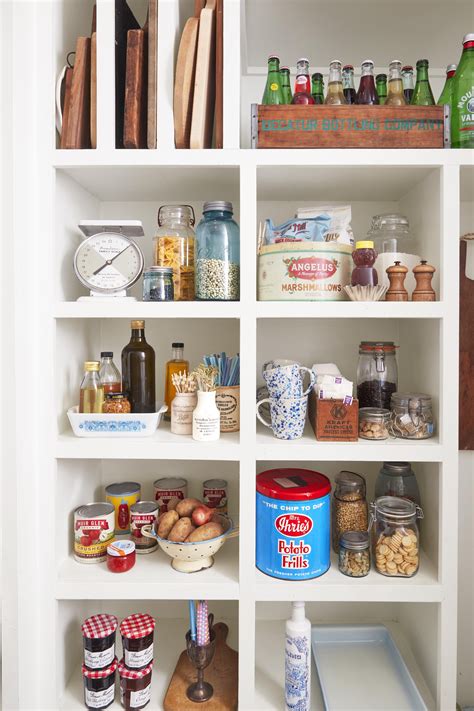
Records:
x=138, y=370
x=348, y=83
x=408, y=82
x=367, y=93
x=317, y=88
x=422, y=96
x=285, y=84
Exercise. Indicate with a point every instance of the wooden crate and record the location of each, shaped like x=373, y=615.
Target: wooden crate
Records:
x=350, y=126
x=333, y=420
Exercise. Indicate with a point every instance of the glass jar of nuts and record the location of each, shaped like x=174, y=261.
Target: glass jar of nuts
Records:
x=349, y=506
x=354, y=554
x=395, y=536
x=373, y=423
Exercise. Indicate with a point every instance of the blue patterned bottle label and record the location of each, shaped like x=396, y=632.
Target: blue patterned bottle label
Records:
x=297, y=682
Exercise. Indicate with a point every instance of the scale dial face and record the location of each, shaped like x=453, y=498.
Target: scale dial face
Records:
x=108, y=262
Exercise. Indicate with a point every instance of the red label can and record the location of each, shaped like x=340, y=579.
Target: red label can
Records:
x=214, y=494
x=169, y=488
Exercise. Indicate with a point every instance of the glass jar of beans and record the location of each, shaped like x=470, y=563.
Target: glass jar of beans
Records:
x=395, y=536
x=349, y=506
x=354, y=554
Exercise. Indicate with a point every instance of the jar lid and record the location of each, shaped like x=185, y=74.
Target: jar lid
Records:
x=220, y=205
x=411, y=400
x=293, y=484
x=137, y=324
x=350, y=479
x=177, y=211
x=115, y=396
x=94, y=510
x=397, y=468
x=137, y=626
x=395, y=507
x=91, y=366
x=380, y=346
x=365, y=244
x=120, y=549
x=144, y=507
x=100, y=673
x=99, y=626
x=159, y=270
x=377, y=412
x=127, y=673
x=393, y=223
x=107, y=354
x=124, y=489
x=354, y=540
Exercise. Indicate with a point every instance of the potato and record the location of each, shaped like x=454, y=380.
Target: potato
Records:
x=187, y=506
x=181, y=530
x=205, y=533
x=172, y=503
x=166, y=523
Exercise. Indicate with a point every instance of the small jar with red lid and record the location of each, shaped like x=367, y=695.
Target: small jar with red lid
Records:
x=137, y=640
x=99, y=686
x=121, y=556
x=135, y=686
x=98, y=634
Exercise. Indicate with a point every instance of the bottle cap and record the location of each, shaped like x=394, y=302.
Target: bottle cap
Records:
x=407, y=68
x=220, y=205
x=106, y=354
x=367, y=61
x=335, y=61
x=115, y=396
x=303, y=59
x=177, y=345
x=365, y=244
x=284, y=69
x=468, y=38
x=348, y=66
x=91, y=365
x=137, y=324
x=273, y=56
x=451, y=68
x=395, y=61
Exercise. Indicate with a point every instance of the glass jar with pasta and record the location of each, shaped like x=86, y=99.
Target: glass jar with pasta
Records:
x=174, y=247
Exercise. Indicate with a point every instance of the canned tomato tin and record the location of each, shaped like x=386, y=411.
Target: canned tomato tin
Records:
x=142, y=514
x=93, y=531
x=293, y=529
x=214, y=494
x=122, y=496
x=169, y=488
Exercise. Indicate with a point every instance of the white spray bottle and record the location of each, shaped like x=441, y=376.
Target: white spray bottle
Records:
x=298, y=660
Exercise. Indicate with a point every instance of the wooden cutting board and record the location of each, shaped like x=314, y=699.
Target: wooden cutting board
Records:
x=204, y=84
x=466, y=355
x=152, y=72
x=222, y=673
x=198, y=6
x=67, y=82
x=94, y=90
x=135, y=110
x=124, y=21
x=77, y=133
x=184, y=83
x=219, y=110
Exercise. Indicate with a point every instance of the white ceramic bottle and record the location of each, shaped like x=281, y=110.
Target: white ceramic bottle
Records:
x=206, y=417
x=298, y=660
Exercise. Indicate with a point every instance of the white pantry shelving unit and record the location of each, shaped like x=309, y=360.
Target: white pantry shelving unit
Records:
x=53, y=333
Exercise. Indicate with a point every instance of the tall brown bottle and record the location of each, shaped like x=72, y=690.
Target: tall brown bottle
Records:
x=138, y=370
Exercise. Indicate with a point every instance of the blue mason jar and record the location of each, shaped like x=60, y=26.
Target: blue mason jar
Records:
x=217, y=254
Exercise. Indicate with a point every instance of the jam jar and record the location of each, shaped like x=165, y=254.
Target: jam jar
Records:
x=98, y=633
x=137, y=640
x=121, y=556
x=117, y=404
x=99, y=686
x=135, y=686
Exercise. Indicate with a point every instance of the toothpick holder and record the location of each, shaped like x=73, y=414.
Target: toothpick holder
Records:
x=200, y=656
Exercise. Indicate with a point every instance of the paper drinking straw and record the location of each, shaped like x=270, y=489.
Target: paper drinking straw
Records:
x=192, y=620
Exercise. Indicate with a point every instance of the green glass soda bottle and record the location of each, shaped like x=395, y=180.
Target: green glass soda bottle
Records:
x=273, y=93
x=381, y=83
x=445, y=96
x=285, y=85
x=422, y=96
x=462, y=99
x=317, y=88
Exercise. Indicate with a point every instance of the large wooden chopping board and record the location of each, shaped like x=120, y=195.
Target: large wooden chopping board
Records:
x=76, y=133
x=124, y=21
x=204, y=84
x=94, y=90
x=222, y=673
x=466, y=355
x=219, y=110
x=152, y=72
x=184, y=83
x=135, y=113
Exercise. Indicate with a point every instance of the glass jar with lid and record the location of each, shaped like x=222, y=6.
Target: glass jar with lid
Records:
x=158, y=284
x=349, y=506
x=354, y=554
x=174, y=247
x=395, y=536
x=397, y=479
x=412, y=416
x=386, y=231
x=373, y=423
x=377, y=374
x=117, y=404
x=218, y=254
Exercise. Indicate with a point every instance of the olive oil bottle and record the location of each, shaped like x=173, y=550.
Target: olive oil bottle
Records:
x=138, y=370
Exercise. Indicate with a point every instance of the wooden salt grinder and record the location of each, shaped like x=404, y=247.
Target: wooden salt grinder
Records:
x=423, y=274
x=396, y=275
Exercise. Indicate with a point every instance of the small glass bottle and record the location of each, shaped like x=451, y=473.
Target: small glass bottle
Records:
x=218, y=254
x=462, y=104
x=348, y=83
x=381, y=82
x=364, y=257
x=302, y=93
x=367, y=92
x=174, y=247
x=273, y=93
x=91, y=398
x=317, y=88
x=395, y=96
x=335, y=95
x=422, y=95
x=286, y=84
x=349, y=506
x=408, y=82
x=177, y=364
x=109, y=374
x=445, y=96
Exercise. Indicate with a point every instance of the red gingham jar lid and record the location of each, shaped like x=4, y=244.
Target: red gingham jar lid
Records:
x=137, y=626
x=100, y=673
x=127, y=673
x=99, y=626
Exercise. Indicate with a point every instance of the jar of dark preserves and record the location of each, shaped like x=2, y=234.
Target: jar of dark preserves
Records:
x=98, y=634
x=137, y=640
x=135, y=686
x=99, y=686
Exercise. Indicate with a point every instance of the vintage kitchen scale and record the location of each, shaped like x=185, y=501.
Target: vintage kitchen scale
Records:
x=108, y=261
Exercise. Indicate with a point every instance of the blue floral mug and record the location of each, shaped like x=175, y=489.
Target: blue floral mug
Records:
x=288, y=416
x=287, y=380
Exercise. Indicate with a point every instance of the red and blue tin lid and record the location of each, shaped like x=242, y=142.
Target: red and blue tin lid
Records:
x=293, y=484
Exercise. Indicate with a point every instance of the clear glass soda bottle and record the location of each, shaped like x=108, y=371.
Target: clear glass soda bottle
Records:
x=317, y=88
x=285, y=84
x=445, y=96
x=395, y=96
x=302, y=93
x=109, y=375
x=422, y=95
x=273, y=93
x=348, y=83
x=462, y=102
x=335, y=95
x=408, y=82
x=367, y=93
x=381, y=82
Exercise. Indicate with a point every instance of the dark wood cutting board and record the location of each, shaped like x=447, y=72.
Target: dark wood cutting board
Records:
x=124, y=21
x=135, y=112
x=466, y=355
x=152, y=72
x=222, y=673
x=77, y=132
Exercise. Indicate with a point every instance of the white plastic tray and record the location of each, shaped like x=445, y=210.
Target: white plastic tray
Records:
x=133, y=425
x=360, y=667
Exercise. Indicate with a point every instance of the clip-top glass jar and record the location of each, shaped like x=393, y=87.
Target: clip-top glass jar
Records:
x=349, y=506
x=377, y=374
x=412, y=416
x=218, y=254
x=395, y=536
x=174, y=247
x=158, y=284
x=397, y=479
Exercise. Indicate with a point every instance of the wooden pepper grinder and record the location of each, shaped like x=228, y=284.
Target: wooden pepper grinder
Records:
x=423, y=274
x=396, y=275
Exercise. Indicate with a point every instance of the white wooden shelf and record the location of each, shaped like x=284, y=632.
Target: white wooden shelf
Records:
x=142, y=309
x=349, y=309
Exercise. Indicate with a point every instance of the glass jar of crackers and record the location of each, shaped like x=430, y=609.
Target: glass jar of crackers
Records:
x=395, y=536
